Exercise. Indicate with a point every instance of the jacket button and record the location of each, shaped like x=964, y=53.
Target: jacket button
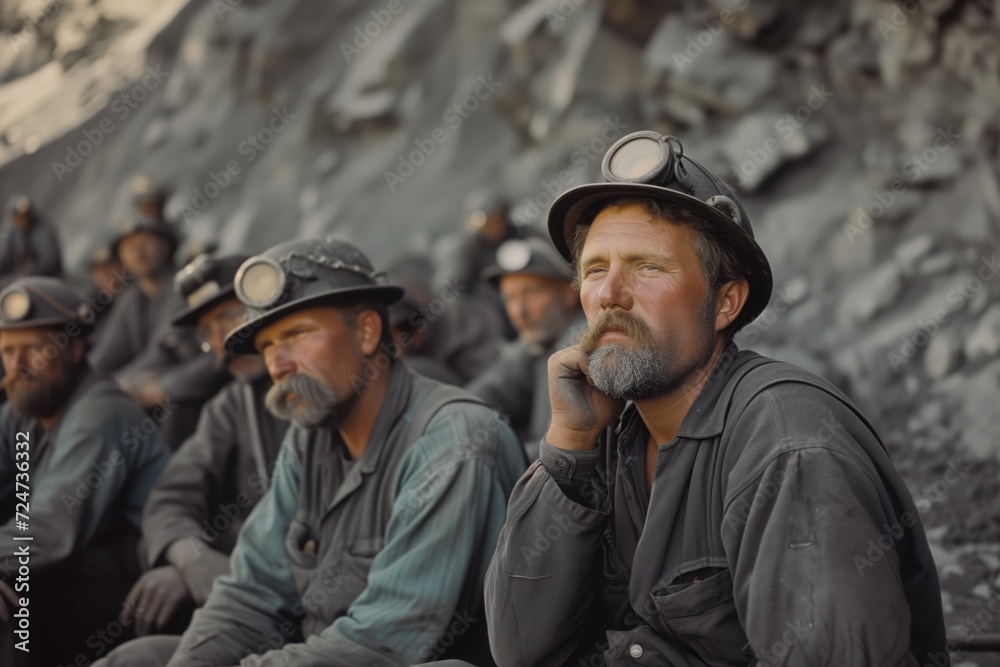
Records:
x=635, y=651
x=561, y=463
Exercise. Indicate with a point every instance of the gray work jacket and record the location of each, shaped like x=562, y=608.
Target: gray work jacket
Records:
x=755, y=544
x=376, y=562
x=218, y=475
x=517, y=383
x=89, y=477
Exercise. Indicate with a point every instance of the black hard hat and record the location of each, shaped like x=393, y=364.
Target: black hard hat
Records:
x=145, y=223
x=204, y=283
x=42, y=301
x=646, y=164
x=532, y=256
x=295, y=275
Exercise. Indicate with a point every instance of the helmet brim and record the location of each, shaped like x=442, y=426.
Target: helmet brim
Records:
x=241, y=339
x=189, y=316
x=568, y=210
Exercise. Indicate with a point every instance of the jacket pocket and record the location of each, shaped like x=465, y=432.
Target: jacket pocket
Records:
x=301, y=544
x=702, y=614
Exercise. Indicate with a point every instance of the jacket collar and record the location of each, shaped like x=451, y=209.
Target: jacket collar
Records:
x=707, y=415
x=397, y=398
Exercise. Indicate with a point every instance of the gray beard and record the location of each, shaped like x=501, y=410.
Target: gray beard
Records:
x=633, y=374
x=630, y=373
x=320, y=405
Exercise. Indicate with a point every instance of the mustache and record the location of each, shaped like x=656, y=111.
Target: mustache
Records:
x=614, y=320
x=9, y=381
x=317, y=397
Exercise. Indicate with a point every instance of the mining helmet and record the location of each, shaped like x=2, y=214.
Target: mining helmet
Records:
x=145, y=223
x=42, y=301
x=647, y=164
x=147, y=191
x=532, y=256
x=204, y=283
x=19, y=204
x=295, y=275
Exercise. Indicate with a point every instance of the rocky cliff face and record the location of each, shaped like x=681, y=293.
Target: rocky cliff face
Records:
x=863, y=135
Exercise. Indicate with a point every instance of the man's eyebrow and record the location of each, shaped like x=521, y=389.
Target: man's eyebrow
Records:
x=630, y=258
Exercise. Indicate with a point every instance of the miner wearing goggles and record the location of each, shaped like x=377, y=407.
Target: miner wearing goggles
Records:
x=696, y=504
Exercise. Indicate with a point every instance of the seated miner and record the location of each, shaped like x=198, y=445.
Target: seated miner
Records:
x=371, y=546
x=219, y=474
x=536, y=286
x=448, y=333
x=107, y=280
x=29, y=245
x=153, y=361
x=145, y=246
x=696, y=504
x=149, y=198
x=78, y=459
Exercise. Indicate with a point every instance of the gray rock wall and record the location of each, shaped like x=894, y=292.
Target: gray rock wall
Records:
x=864, y=136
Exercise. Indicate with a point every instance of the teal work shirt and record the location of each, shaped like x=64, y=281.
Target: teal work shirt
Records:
x=377, y=563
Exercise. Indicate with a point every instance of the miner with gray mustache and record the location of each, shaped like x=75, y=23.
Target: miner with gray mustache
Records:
x=695, y=504
x=372, y=543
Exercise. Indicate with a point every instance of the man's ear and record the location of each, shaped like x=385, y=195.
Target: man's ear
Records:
x=571, y=298
x=369, y=331
x=729, y=302
x=78, y=349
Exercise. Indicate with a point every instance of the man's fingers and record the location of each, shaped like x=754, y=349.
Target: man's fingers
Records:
x=132, y=599
x=168, y=605
x=144, y=609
